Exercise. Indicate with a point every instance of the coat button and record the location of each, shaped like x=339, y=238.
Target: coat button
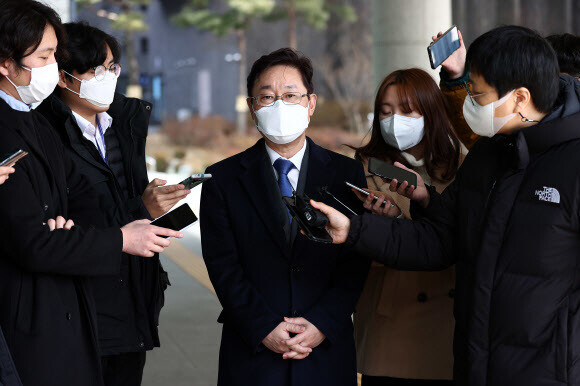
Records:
x=295, y=269
x=68, y=316
x=422, y=297
x=45, y=207
x=452, y=293
x=148, y=107
x=141, y=344
x=295, y=314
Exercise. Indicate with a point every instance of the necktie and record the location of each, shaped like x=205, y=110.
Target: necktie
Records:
x=101, y=152
x=283, y=167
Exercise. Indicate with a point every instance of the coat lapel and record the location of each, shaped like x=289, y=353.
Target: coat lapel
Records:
x=319, y=174
x=257, y=180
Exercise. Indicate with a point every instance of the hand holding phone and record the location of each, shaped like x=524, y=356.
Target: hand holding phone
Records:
x=443, y=47
x=365, y=192
x=194, y=180
x=417, y=192
x=454, y=65
x=177, y=219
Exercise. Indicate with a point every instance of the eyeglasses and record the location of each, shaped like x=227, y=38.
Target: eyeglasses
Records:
x=289, y=98
x=101, y=71
x=472, y=96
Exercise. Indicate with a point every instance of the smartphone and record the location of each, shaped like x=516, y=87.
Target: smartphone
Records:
x=443, y=47
x=391, y=172
x=365, y=192
x=194, y=180
x=178, y=219
x=11, y=158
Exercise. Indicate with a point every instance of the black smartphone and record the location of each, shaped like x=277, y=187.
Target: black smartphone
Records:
x=177, y=219
x=11, y=158
x=391, y=172
x=314, y=233
x=194, y=180
x=443, y=47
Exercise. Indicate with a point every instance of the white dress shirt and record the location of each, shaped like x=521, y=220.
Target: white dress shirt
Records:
x=14, y=103
x=296, y=160
x=91, y=133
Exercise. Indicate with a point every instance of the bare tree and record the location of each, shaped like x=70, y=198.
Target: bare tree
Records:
x=346, y=68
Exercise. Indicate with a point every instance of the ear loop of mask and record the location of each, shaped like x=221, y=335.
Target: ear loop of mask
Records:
x=21, y=66
x=80, y=81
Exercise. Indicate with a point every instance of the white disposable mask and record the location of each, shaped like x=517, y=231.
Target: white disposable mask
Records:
x=43, y=81
x=402, y=132
x=282, y=123
x=482, y=119
x=101, y=93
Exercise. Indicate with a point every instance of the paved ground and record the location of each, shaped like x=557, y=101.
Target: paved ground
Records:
x=189, y=334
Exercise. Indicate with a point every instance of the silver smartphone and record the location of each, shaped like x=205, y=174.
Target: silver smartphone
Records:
x=194, y=180
x=11, y=158
x=365, y=192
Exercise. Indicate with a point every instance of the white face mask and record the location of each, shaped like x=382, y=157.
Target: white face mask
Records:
x=402, y=132
x=43, y=81
x=101, y=93
x=282, y=123
x=482, y=119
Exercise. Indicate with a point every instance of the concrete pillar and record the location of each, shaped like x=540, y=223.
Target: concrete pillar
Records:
x=402, y=30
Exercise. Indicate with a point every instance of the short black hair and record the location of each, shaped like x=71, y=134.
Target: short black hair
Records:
x=509, y=57
x=87, y=48
x=285, y=57
x=22, y=25
x=567, y=47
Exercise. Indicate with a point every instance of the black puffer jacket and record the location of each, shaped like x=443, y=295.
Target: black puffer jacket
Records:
x=128, y=304
x=511, y=223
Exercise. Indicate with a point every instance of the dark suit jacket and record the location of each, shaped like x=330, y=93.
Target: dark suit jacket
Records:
x=260, y=278
x=128, y=303
x=46, y=308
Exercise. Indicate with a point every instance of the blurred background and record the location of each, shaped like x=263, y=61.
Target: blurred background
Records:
x=190, y=58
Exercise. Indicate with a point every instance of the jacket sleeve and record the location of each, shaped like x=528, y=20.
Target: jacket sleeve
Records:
x=242, y=303
x=33, y=247
x=332, y=314
x=455, y=93
x=424, y=245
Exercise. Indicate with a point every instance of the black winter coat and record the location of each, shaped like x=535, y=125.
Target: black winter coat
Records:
x=260, y=278
x=511, y=223
x=47, y=312
x=128, y=303
x=8, y=373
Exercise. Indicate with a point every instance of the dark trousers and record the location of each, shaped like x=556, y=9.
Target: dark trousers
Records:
x=123, y=369
x=388, y=381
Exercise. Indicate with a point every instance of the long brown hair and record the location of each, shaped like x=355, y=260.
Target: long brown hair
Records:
x=442, y=149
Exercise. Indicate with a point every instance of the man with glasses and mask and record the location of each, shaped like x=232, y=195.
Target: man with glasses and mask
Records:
x=510, y=221
x=287, y=301
x=105, y=134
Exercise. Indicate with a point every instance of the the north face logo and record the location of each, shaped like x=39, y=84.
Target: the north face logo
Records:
x=548, y=195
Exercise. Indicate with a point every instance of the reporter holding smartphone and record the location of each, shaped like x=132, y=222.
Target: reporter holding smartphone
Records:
x=398, y=311
x=510, y=220
x=46, y=307
x=104, y=133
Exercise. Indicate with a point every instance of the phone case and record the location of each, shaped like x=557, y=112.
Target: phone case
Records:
x=391, y=172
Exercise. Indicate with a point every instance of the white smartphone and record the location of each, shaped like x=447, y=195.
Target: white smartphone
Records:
x=194, y=180
x=365, y=192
